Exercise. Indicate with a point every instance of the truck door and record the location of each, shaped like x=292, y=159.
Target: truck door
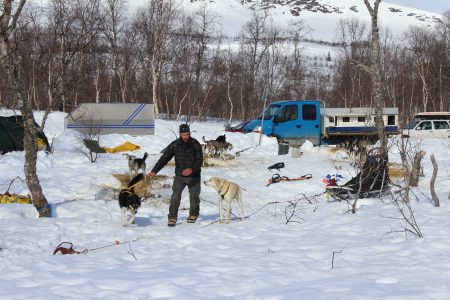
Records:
x=310, y=122
x=424, y=129
x=286, y=121
x=441, y=129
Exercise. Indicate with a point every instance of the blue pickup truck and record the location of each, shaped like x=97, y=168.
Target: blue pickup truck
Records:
x=298, y=120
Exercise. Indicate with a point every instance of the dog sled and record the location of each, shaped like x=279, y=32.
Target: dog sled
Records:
x=343, y=193
x=372, y=181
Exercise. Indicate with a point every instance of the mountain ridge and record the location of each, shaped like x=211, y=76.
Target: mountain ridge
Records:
x=319, y=13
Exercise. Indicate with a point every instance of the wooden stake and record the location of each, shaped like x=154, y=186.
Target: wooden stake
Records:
x=433, y=179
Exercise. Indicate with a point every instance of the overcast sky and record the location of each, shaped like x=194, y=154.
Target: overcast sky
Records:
x=438, y=6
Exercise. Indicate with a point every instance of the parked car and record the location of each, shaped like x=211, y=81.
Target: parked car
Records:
x=237, y=128
x=427, y=129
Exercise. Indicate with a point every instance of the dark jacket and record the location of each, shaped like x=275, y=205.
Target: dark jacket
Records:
x=187, y=155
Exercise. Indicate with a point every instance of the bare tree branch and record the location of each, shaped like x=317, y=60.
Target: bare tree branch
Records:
x=12, y=26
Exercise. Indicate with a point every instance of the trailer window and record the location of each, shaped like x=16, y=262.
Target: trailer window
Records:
x=391, y=120
x=331, y=119
x=361, y=119
x=345, y=119
x=288, y=113
x=309, y=112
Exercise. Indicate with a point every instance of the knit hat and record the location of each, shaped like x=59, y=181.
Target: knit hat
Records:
x=184, y=128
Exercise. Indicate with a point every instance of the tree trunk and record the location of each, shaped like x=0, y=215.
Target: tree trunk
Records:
x=123, y=85
x=205, y=99
x=241, y=98
x=155, y=75
x=9, y=62
x=62, y=90
x=96, y=76
x=97, y=85
x=415, y=172
x=50, y=92
x=229, y=98
x=375, y=75
x=182, y=100
x=79, y=77
x=29, y=141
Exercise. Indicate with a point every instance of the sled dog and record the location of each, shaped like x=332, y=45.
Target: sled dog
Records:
x=136, y=164
x=128, y=200
x=221, y=138
x=217, y=147
x=228, y=191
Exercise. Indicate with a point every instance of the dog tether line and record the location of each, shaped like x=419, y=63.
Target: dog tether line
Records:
x=68, y=249
x=254, y=212
x=128, y=189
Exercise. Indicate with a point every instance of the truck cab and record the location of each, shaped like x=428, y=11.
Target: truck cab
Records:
x=290, y=121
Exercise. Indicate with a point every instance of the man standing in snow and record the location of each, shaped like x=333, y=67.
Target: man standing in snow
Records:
x=188, y=163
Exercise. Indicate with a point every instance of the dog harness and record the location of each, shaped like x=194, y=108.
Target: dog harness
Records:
x=225, y=192
x=128, y=189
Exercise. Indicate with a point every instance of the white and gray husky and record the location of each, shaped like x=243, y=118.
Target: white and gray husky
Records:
x=135, y=164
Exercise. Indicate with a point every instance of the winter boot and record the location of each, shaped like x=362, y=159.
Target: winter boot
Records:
x=172, y=222
x=192, y=219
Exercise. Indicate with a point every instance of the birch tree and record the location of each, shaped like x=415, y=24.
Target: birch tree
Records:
x=114, y=29
x=9, y=60
x=374, y=70
x=164, y=13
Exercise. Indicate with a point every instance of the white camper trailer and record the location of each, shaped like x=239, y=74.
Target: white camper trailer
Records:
x=128, y=118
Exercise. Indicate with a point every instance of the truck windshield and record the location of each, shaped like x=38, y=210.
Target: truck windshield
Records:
x=270, y=111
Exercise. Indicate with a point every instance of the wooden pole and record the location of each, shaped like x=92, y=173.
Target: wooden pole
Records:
x=433, y=180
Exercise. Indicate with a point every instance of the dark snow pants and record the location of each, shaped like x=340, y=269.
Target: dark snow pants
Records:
x=179, y=183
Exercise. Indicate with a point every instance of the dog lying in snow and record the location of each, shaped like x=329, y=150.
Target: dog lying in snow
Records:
x=228, y=191
x=128, y=200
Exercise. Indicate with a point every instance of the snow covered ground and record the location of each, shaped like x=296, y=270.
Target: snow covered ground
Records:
x=259, y=258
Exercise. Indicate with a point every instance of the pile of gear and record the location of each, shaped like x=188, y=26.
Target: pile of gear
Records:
x=8, y=198
x=278, y=178
x=372, y=181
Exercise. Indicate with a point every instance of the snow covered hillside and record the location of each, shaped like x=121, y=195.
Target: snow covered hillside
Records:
x=259, y=258
x=321, y=16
